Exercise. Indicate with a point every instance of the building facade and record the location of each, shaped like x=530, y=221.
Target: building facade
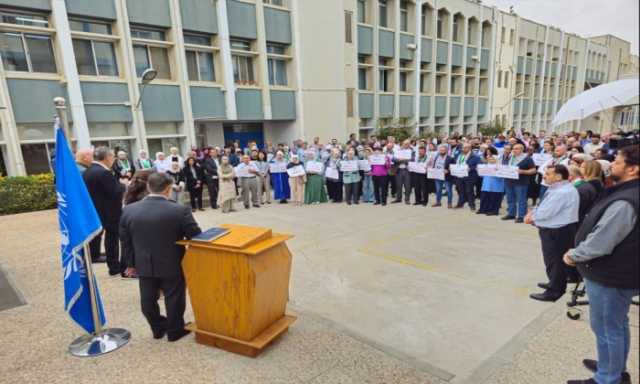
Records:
x=275, y=70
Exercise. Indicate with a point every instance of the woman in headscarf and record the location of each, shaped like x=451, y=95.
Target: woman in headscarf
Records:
x=227, y=190
x=367, y=180
x=143, y=161
x=122, y=167
x=280, y=179
x=178, y=182
x=351, y=180
x=296, y=183
x=314, y=192
x=492, y=187
x=264, y=179
x=334, y=185
x=194, y=175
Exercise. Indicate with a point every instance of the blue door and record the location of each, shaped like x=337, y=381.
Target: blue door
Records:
x=244, y=133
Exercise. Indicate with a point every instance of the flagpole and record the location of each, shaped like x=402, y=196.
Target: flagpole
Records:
x=97, y=324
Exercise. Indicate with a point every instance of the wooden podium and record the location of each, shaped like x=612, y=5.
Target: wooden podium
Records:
x=239, y=287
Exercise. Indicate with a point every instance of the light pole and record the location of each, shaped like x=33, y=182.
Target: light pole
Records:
x=148, y=76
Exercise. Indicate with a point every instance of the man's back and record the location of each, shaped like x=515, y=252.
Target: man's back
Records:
x=106, y=192
x=149, y=230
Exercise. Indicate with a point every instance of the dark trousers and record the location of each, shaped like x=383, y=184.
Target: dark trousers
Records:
x=419, y=185
x=403, y=180
x=490, y=202
x=212, y=187
x=478, y=187
x=334, y=190
x=111, y=246
x=466, y=193
x=555, y=243
x=380, y=188
x=352, y=192
x=195, y=195
x=174, y=301
x=391, y=181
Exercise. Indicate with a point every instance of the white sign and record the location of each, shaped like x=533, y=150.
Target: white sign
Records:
x=314, y=167
x=508, y=172
x=332, y=173
x=279, y=167
x=270, y=157
x=364, y=165
x=487, y=169
x=242, y=170
x=459, y=170
x=418, y=167
x=349, y=165
x=378, y=159
x=435, y=173
x=296, y=171
x=404, y=154
x=541, y=159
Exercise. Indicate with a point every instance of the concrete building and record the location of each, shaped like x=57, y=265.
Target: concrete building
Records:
x=275, y=70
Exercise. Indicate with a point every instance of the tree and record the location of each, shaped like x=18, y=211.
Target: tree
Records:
x=494, y=128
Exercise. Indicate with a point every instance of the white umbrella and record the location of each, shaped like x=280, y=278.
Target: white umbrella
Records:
x=597, y=99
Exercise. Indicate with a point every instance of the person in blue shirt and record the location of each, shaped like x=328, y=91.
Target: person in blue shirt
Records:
x=516, y=190
x=466, y=185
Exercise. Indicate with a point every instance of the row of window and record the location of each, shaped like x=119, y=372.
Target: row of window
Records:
x=33, y=52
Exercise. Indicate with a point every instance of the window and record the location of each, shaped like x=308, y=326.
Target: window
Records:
x=350, y=108
x=382, y=10
x=242, y=63
x=424, y=23
x=506, y=79
x=503, y=34
x=274, y=2
x=362, y=11
x=37, y=158
x=200, y=65
x=193, y=39
x=404, y=16
x=90, y=26
x=384, y=80
x=499, y=79
x=348, y=27
x=94, y=58
x=511, y=36
x=150, y=56
x=440, y=33
x=27, y=52
x=23, y=18
x=277, y=71
x=241, y=45
x=362, y=79
x=404, y=76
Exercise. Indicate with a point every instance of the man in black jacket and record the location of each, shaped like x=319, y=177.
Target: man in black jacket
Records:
x=607, y=255
x=149, y=230
x=106, y=193
x=210, y=166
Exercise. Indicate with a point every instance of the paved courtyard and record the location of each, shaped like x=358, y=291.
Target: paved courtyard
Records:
x=394, y=294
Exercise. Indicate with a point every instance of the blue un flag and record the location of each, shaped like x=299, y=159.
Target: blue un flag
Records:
x=79, y=223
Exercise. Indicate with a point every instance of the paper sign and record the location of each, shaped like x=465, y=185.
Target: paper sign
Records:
x=508, y=172
x=270, y=157
x=487, y=169
x=280, y=167
x=459, y=170
x=540, y=159
x=435, y=174
x=349, y=165
x=242, y=170
x=417, y=167
x=314, y=167
x=404, y=154
x=296, y=171
x=364, y=165
x=378, y=159
x=332, y=173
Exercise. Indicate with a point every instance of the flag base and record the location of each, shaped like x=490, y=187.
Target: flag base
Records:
x=105, y=341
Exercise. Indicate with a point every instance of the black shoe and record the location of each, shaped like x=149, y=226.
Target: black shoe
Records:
x=114, y=273
x=492, y=214
x=545, y=296
x=256, y=206
x=99, y=259
x=384, y=203
x=473, y=209
x=508, y=217
x=376, y=203
x=357, y=202
x=519, y=220
x=396, y=201
x=177, y=336
x=544, y=286
x=592, y=365
x=589, y=381
x=481, y=213
x=159, y=334
x=348, y=203
x=283, y=201
x=247, y=207
x=416, y=203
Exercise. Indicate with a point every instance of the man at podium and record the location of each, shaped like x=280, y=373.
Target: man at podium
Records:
x=149, y=230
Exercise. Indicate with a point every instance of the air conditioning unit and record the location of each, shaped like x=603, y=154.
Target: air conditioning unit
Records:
x=412, y=46
x=475, y=58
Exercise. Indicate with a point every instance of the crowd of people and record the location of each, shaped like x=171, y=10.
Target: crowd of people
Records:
x=579, y=189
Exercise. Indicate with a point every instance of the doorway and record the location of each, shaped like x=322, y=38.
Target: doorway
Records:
x=244, y=133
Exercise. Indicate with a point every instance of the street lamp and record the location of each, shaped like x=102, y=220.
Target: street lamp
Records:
x=61, y=108
x=148, y=76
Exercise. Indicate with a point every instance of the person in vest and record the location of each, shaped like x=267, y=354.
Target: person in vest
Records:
x=607, y=255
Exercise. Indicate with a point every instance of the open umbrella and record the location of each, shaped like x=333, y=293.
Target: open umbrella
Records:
x=598, y=99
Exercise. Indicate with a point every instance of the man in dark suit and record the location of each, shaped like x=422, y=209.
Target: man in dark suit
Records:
x=106, y=193
x=149, y=230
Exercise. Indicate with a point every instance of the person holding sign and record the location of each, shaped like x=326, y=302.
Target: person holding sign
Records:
x=334, y=177
x=492, y=187
x=516, y=190
x=365, y=173
x=442, y=163
x=264, y=179
x=227, y=190
x=279, y=178
x=297, y=180
x=350, y=177
x=380, y=165
x=418, y=174
x=402, y=157
x=465, y=185
x=247, y=173
x=314, y=192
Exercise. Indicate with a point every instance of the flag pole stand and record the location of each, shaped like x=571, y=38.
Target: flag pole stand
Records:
x=102, y=340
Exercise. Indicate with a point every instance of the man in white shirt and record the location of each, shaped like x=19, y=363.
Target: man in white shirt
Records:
x=557, y=220
x=559, y=157
x=247, y=171
x=594, y=145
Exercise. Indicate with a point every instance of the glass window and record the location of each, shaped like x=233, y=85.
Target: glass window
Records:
x=90, y=26
x=243, y=69
x=84, y=57
x=205, y=64
x=277, y=49
x=242, y=45
x=147, y=33
x=384, y=80
x=193, y=39
x=404, y=16
x=348, y=27
x=403, y=82
x=37, y=158
x=40, y=53
x=23, y=18
x=274, y=2
x=192, y=65
x=141, y=58
x=383, y=13
x=362, y=79
x=160, y=62
x=362, y=11
x=14, y=57
x=277, y=72
x=105, y=58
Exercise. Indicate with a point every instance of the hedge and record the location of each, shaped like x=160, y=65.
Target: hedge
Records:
x=27, y=194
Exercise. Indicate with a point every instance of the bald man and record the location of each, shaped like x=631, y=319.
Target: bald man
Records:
x=84, y=158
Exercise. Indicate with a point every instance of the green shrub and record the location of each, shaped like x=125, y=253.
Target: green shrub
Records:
x=27, y=194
